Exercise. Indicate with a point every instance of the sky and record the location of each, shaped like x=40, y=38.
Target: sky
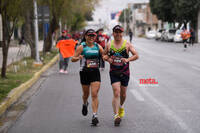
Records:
x=105, y=7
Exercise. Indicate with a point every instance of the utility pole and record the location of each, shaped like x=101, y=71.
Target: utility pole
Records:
x=38, y=62
x=125, y=20
x=133, y=20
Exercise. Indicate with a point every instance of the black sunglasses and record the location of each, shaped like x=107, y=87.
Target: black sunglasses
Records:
x=118, y=31
x=91, y=35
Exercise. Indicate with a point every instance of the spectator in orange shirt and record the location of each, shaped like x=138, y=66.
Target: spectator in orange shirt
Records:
x=63, y=62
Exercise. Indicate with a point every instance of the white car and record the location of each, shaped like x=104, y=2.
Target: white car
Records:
x=151, y=34
x=159, y=33
x=169, y=35
x=177, y=36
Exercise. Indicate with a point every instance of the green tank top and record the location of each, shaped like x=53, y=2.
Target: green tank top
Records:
x=90, y=52
x=91, y=56
x=116, y=55
x=123, y=47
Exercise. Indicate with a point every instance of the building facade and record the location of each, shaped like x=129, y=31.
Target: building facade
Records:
x=142, y=19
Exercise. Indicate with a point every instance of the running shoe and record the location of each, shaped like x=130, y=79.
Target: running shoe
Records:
x=117, y=120
x=65, y=72
x=121, y=112
x=95, y=120
x=61, y=71
x=85, y=109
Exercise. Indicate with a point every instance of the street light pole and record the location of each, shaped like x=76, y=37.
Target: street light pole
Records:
x=37, y=58
x=125, y=20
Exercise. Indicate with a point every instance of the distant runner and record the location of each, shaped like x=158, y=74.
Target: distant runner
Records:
x=102, y=40
x=185, y=36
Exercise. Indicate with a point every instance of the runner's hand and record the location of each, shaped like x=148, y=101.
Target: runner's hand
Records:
x=124, y=60
x=80, y=57
x=105, y=57
x=110, y=60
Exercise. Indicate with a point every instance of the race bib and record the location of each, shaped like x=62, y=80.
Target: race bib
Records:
x=117, y=61
x=92, y=63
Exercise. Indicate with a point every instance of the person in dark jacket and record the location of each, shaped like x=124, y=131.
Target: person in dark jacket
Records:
x=192, y=37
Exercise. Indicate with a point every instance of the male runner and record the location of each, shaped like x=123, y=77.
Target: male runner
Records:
x=117, y=54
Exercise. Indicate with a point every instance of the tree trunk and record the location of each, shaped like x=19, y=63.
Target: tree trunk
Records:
x=5, y=56
x=197, y=27
x=29, y=33
x=5, y=45
x=48, y=41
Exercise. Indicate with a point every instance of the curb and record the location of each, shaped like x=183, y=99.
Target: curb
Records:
x=16, y=93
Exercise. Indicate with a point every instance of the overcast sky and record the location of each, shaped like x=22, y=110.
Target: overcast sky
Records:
x=105, y=7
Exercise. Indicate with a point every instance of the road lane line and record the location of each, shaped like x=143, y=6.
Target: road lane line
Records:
x=166, y=110
x=196, y=68
x=137, y=95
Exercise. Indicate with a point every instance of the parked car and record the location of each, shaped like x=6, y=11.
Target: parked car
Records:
x=151, y=34
x=162, y=38
x=177, y=36
x=168, y=35
x=159, y=33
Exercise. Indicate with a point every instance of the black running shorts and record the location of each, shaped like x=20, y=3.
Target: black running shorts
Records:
x=119, y=77
x=89, y=76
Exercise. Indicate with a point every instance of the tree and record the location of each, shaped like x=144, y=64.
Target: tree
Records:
x=70, y=12
x=56, y=8
x=175, y=10
x=127, y=14
x=75, y=19
x=182, y=11
x=10, y=11
x=164, y=9
x=28, y=17
x=187, y=11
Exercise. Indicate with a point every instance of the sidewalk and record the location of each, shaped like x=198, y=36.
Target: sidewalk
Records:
x=17, y=53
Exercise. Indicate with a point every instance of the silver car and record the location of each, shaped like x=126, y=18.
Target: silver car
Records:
x=159, y=33
x=177, y=36
x=169, y=35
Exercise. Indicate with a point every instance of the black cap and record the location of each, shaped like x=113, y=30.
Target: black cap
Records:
x=118, y=27
x=90, y=31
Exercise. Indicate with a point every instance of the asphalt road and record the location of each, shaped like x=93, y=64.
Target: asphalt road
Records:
x=171, y=106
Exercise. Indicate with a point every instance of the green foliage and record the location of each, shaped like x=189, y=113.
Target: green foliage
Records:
x=187, y=10
x=164, y=9
x=11, y=8
x=175, y=10
x=74, y=13
x=126, y=12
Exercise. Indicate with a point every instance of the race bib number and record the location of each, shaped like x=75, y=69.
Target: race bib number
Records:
x=117, y=61
x=92, y=63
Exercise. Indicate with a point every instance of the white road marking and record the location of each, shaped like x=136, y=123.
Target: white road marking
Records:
x=196, y=68
x=166, y=110
x=137, y=95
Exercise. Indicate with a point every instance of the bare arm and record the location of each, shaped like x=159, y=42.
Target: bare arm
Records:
x=133, y=52
x=77, y=56
x=106, y=56
x=101, y=50
x=106, y=50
